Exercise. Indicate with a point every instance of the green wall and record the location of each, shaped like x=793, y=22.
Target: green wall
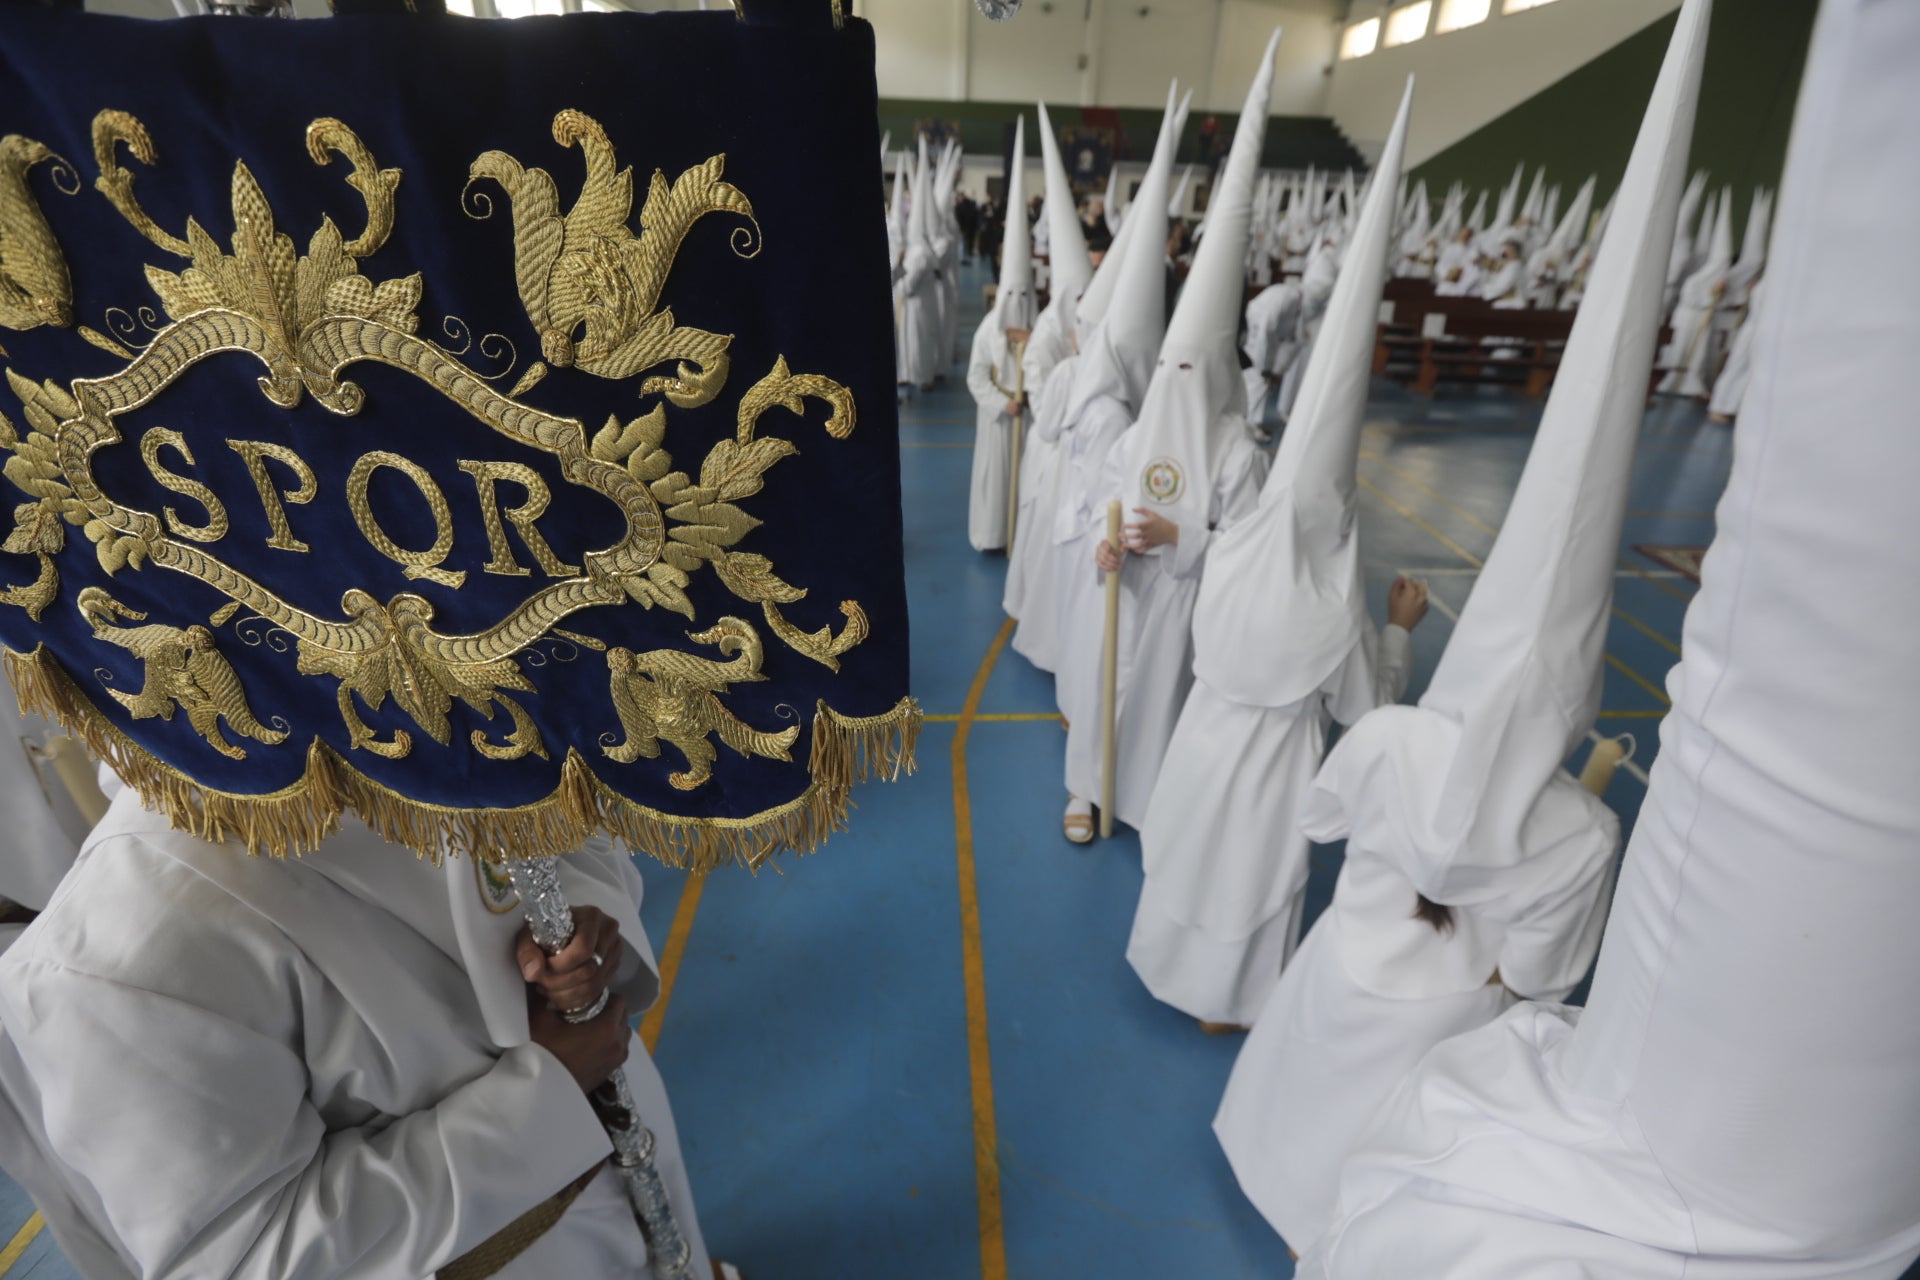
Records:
x=1586, y=122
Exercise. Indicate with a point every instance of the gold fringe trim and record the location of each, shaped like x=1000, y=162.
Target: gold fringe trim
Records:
x=294, y=820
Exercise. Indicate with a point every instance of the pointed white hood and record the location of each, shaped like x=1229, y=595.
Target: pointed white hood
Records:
x=1013, y=306
x=1451, y=790
x=1680, y=263
x=1177, y=202
x=1110, y=210
x=897, y=214
x=1123, y=313
x=1069, y=266
x=1195, y=406
x=1479, y=219
x=919, y=226
x=1712, y=269
x=1285, y=582
x=943, y=227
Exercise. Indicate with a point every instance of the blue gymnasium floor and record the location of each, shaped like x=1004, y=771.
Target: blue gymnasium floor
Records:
x=921, y=1054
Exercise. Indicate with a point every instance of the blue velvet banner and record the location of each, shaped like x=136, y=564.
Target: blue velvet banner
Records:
x=505, y=408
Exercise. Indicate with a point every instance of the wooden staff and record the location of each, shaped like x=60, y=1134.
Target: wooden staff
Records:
x=1110, y=679
x=1019, y=350
x=1607, y=756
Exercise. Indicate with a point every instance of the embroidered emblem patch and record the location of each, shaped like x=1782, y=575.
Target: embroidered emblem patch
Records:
x=1164, y=480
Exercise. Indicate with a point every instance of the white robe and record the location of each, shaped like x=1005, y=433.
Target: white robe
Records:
x=990, y=361
x=1033, y=583
x=1226, y=863
x=1456, y=257
x=1504, y=286
x=1692, y=359
x=216, y=1066
x=1373, y=988
x=1155, y=668
x=919, y=319
x=1272, y=343
x=1730, y=388
x=1079, y=523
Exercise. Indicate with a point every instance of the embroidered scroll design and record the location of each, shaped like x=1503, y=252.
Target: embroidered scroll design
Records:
x=183, y=671
x=35, y=289
x=673, y=697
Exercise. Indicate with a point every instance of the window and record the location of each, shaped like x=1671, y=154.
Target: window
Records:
x=1404, y=26
x=1458, y=14
x=1515, y=6
x=1360, y=39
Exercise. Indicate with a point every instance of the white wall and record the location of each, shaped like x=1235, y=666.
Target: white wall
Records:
x=1103, y=52
x=1467, y=78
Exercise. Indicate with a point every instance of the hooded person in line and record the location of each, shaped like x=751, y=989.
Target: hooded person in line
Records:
x=994, y=370
x=1187, y=463
x=897, y=250
x=1031, y=587
x=1457, y=273
x=1272, y=345
x=946, y=232
x=1282, y=644
x=1477, y=867
x=1691, y=359
x=1687, y=232
x=1122, y=320
x=1732, y=320
x=919, y=305
x=1736, y=1100
x=357, y=1021
x=1730, y=388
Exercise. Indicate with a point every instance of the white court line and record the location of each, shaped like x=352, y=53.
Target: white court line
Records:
x=1593, y=735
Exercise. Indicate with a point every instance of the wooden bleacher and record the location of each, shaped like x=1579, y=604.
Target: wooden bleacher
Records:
x=1425, y=340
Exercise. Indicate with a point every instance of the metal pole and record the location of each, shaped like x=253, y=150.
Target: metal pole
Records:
x=537, y=880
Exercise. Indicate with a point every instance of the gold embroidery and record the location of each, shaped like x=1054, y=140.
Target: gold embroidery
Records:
x=485, y=476
x=255, y=453
x=673, y=696
x=158, y=438
x=264, y=278
x=183, y=669
x=392, y=650
x=295, y=819
x=34, y=286
x=414, y=564
x=589, y=284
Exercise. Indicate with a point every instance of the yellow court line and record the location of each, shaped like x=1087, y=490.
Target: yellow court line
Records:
x=671, y=956
x=1430, y=531
x=1475, y=561
x=18, y=1245
x=986, y=1138
x=1491, y=532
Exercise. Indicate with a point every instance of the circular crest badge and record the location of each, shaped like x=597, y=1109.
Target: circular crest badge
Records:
x=1163, y=480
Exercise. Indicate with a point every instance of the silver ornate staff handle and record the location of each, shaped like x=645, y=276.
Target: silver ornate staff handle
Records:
x=550, y=919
